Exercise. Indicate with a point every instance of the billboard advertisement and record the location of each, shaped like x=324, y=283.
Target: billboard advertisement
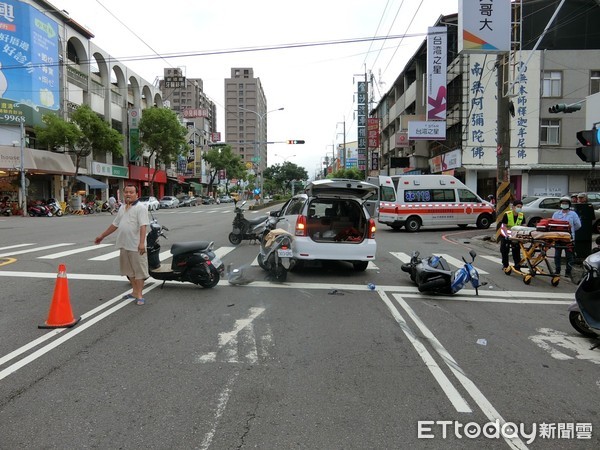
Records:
x=437, y=49
x=29, y=71
x=484, y=26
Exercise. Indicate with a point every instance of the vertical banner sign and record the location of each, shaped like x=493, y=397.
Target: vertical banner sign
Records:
x=373, y=132
x=362, y=125
x=134, y=134
x=484, y=26
x=436, y=72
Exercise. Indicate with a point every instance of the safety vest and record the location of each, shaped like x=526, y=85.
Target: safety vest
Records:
x=511, y=219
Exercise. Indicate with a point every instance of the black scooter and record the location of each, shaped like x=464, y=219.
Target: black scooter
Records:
x=193, y=262
x=246, y=229
x=584, y=312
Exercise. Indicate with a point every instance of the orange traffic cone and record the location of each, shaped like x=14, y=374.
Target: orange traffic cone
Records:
x=61, y=314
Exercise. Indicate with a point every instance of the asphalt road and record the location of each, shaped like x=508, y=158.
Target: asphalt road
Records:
x=318, y=362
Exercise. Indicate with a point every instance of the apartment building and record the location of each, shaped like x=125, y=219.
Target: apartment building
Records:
x=565, y=68
x=186, y=97
x=55, y=68
x=246, y=117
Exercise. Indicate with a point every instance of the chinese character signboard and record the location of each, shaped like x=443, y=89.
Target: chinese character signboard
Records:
x=436, y=73
x=134, y=134
x=484, y=26
x=373, y=133
x=174, y=82
x=433, y=130
x=362, y=122
x=480, y=144
x=190, y=113
x=29, y=74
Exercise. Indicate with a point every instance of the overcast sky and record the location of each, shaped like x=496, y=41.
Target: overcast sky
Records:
x=315, y=84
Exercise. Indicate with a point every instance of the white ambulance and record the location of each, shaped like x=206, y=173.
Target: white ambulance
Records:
x=413, y=201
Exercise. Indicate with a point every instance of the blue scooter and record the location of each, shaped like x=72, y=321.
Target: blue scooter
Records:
x=433, y=274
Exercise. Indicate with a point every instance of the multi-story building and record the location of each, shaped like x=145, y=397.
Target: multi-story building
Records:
x=186, y=97
x=246, y=117
x=564, y=68
x=55, y=67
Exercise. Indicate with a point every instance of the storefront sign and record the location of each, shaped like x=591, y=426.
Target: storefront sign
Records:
x=108, y=170
x=432, y=130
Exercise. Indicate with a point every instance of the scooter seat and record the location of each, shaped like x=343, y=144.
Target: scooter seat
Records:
x=185, y=247
x=257, y=220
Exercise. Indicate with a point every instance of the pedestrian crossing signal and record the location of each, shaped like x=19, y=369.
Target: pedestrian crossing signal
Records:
x=295, y=141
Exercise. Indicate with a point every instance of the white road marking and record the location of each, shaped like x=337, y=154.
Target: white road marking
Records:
x=15, y=246
x=576, y=347
x=483, y=403
x=459, y=263
x=226, y=337
x=405, y=258
x=36, y=249
x=451, y=392
x=106, y=257
x=494, y=259
x=69, y=333
x=222, y=403
x=74, y=251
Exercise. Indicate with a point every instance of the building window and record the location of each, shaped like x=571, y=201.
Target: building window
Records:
x=241, y=127
x=551, y=85
x=594, y=82
x=550, y=132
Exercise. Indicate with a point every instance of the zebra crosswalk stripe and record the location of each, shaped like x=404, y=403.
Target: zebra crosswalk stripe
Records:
x=405, y=258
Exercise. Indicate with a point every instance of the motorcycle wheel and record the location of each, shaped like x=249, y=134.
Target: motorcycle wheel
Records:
x=261, y=262
x=280, y=274
x=235, y=239
x=59, y=213
x=579, y=324
x=213, y=281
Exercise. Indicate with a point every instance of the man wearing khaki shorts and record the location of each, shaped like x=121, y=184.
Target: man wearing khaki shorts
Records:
x=130, y=224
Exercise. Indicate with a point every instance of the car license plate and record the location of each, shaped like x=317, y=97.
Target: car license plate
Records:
x=285, y=253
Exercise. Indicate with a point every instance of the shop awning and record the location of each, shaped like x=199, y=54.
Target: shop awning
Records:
x=92, y=182
x=49, y=162
x=196, y=186
x=10, y=158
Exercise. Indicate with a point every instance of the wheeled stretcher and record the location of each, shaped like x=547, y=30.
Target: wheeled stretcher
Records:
x=534, y=247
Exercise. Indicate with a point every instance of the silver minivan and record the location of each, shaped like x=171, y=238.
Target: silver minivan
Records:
x=329, y=221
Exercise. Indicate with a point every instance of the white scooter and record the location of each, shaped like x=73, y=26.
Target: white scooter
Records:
x=276, y=255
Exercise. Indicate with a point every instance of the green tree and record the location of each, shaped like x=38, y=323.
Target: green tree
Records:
x=352, y=173
x=163, y=136
x=84, y=135
x=222, y=158
x=282, y=175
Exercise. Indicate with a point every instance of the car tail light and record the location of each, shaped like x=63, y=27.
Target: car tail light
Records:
x=372, y=229
x=301, y=226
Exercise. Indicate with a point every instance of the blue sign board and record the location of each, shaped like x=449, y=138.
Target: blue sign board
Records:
x=29, y=63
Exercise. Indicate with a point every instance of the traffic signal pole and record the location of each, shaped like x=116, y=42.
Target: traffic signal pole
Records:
x=503, y=194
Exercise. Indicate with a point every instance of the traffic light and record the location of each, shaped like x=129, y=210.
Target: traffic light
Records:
x=564, y=108
x=295, y=141
x=590, y=139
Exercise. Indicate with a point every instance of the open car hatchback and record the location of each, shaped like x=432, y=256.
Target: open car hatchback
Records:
x=330, y=222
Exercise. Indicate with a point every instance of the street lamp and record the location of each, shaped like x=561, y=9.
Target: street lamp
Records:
x=285, y=158
x=257, y=141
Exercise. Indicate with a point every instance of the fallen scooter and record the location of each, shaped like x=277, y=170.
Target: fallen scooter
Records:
x=584, y=312
x=433, y=274
x=275, y=255
x=193, y=262
x=246, y=229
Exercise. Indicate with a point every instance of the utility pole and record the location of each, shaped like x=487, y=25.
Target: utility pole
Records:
x=344, y=145
x=503, y=194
